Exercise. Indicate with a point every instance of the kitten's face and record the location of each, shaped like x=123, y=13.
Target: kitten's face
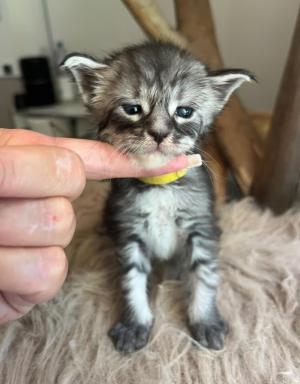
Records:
x=152, y=101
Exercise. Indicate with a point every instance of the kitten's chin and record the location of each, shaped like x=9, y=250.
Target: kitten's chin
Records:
x=151, y=160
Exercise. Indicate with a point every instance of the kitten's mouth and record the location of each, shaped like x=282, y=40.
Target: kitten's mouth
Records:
x=169, y=151
x=155, y=157
x=160, y=149
x=150, y=154
x=152, y=159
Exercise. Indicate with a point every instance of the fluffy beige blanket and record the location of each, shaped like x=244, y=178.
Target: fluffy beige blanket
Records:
x=65, y=341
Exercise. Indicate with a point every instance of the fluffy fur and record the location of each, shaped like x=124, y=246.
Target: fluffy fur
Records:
x=64, y=342
x=156, y=100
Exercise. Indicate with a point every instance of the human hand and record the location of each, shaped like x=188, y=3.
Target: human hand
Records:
x=39, y=177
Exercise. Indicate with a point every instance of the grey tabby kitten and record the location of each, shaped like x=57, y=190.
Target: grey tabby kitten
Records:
x=156, y=101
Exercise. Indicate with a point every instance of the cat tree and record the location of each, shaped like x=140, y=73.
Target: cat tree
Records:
x=237, y=142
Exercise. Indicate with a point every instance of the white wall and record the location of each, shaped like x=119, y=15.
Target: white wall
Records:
x=22, y=31
x=7, y=43
x=254, y=34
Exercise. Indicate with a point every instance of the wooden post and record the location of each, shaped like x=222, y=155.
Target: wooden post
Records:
x=195, y=23
x=148, y=16
x=277, y=178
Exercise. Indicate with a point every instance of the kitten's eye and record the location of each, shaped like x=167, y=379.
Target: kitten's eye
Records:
x=132, y=109
x=184, y=112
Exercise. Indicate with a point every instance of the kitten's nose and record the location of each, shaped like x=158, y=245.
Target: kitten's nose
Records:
x=158, y=136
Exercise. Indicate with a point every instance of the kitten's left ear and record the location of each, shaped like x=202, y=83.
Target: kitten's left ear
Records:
x=225, y=82
x=86, y=72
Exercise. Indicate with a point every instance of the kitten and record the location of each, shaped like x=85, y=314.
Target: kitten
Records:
x=155, y=101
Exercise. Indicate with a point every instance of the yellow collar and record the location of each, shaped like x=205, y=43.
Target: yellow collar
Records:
x=164, y=179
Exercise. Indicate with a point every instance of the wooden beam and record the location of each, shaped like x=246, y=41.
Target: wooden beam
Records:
x=195, y=23
x=148, y=16
x=277, y=178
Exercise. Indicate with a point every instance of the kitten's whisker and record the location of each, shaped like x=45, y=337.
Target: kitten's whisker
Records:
x=208, y=155
x=211, y=173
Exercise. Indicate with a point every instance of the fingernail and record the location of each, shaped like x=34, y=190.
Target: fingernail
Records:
x=194, y=161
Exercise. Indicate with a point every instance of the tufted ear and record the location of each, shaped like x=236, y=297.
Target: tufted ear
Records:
x=86, y=71
x=225, y=82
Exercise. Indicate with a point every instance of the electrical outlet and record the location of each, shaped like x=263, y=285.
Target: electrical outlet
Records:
x=8, y=69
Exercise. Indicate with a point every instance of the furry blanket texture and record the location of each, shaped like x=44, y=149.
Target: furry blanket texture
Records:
x=65, y=341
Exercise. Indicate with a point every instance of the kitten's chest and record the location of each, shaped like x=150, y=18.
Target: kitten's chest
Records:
x=161, y=232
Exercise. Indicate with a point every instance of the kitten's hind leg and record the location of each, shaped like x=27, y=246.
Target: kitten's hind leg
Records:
x=206, y=324
x=133, y=329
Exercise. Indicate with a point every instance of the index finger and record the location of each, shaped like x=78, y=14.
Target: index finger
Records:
x=40, y=171
x=100, y=160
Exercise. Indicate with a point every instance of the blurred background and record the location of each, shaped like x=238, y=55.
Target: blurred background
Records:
x=252, y=34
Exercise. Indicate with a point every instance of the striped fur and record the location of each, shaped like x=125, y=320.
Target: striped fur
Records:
x=169, y=222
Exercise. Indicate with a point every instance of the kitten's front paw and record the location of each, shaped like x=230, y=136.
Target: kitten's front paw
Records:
x=210, y=335
x=129, y=338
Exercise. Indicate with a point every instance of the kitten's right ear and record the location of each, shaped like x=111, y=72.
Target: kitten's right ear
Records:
x=86, y=71
x=225, y=81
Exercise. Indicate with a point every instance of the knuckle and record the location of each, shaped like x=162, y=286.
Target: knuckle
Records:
x=65, y=220
x=54, y=267
x=69, y=234
x=79, y=178
x=2, y=173
x=7, y=171
x=70, y=166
